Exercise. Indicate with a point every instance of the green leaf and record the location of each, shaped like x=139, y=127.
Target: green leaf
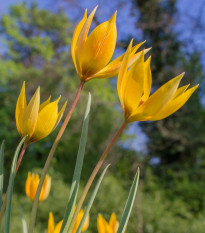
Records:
x=77, y=173
x=87, y=210
x=129, y=204
x=10, y=187
x=1, y=171
x=24, y=225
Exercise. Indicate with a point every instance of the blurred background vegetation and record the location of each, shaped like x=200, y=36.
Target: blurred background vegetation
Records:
x=35, y=47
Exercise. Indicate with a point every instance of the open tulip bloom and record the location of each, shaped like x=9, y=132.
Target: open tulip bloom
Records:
x=134, y=87
x=56, y=229
x=35, y=120
x=107, y=227
x=91, y=54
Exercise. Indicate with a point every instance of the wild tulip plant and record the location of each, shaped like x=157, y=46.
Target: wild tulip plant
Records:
x=91, y=55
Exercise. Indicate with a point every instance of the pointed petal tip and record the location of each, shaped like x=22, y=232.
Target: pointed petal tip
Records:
x=58, y=99
x=113, y=18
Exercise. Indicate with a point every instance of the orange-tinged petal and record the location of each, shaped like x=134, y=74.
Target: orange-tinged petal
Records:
x=86, y=224
x=34, y=185
x=58, y=227
x=44, y=103
x=83, y=35
x=51, y=223
x=132, y=85
x=45, y=189
x=75, y=38
x=46, y=121
x=20, y=109
x=98, y=48
x=159, y=98
x=31, y=115
x=28, y=185
x=122, y=73
x=101, y=224
x=113, y=221
x=60, y=114
x=175, y=104
x=148, y=80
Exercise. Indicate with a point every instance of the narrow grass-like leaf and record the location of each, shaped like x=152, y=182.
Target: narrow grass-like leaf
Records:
x=77, y=173
x=87, y=210
x=129, y=204
x=10, y=187
x=1, y=171
x=24, y=225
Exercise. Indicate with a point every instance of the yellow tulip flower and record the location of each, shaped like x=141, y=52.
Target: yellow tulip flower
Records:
x=91, y=54
x=134, y=87
x=56, y=229
x=31, y=186
x=105, y=227
x=35, y=120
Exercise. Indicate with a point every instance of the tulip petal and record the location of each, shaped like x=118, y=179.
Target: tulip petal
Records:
x=75, y=38
x=45, y=189
x=51, y=223
x=46, y=120
x=44, y=103
x=34, y=185
x=20, y=109
x=133, y=84
x=148, y=80
x=101, y=224
x=31, y=115
x=113, y=222
x=98, y=48
x=58, y=227
x=175, y=104
x=180, y=90
x=83, y=34
x=159, y=98
x=113, y=67
x=28, y=185
x=60, y=114
x=122, y=73
x=86, y=223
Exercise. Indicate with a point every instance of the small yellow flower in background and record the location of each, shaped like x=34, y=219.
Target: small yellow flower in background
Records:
x=91, y=54
x=31, y=186
x=105, y=227
x=134, y=87
x=35, y=120
x=56, y=229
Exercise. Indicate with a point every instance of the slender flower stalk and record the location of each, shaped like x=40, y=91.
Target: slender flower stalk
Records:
x=50, y=156
x=17, y=167
x=94, y=173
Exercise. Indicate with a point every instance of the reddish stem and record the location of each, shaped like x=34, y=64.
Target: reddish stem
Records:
x=94, y=173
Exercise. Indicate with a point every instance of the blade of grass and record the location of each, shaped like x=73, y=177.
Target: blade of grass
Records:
x=24, y=225
x=129, y=204
x=10, y=187
x=1, y=171
x=77, y=173
x=90, y=203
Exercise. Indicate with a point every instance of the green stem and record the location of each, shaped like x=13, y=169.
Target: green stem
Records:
x=17, y=167
x=50, y=156
x=94, y=173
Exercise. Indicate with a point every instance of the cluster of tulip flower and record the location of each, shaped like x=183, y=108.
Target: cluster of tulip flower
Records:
x=91, y=55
